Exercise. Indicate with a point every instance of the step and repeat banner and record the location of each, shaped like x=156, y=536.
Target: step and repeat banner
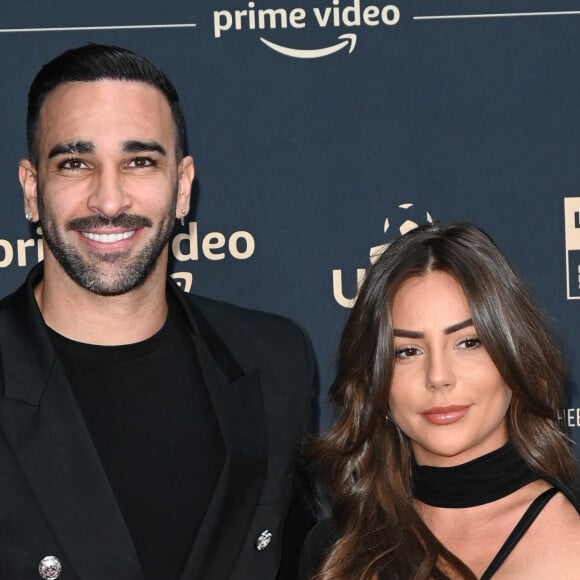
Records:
x=322, y=128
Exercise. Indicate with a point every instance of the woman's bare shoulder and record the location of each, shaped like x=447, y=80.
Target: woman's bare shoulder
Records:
x=551, y=547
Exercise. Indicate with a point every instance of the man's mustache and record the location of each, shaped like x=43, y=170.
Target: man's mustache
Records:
x=128, y=221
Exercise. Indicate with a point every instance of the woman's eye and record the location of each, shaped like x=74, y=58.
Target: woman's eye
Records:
x=470, y=343
x=406, y=352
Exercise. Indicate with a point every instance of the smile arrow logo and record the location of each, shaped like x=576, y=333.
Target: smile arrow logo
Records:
x=345, y=39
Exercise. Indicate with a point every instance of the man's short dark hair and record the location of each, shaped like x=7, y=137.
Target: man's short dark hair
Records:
x=95, y=62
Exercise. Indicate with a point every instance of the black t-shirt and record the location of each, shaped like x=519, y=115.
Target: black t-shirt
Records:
x=153, y=424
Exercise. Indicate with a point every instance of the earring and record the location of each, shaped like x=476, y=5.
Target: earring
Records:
x=28, y=217
x=182, y=218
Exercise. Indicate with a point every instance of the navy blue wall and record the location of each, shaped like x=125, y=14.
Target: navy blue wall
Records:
x=311, y=153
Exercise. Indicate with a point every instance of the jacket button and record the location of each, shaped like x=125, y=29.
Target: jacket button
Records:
x=263, y=540
x=49, y=568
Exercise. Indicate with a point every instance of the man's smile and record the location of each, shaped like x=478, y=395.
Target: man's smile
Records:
x=109, y=238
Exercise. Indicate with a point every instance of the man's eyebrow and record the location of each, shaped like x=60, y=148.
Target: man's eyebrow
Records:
x=136, y=146
x=72, y=148
x=449, y=330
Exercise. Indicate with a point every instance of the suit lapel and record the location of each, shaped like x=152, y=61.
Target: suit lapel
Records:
x=46, y=431
x=237, y=399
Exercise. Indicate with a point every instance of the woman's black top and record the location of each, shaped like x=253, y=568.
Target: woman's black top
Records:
x=321, y=538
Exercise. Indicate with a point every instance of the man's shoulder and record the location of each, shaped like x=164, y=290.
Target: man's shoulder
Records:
x=220, y=307
x=234, y=319
x=17, y=295
x=18, y=308
x=257, y=339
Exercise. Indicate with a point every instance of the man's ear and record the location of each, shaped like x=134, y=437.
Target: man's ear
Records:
x=185, y=176
x=28, y=180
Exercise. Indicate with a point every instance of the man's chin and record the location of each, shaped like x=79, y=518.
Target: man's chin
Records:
x=109, y=286
x=108, y=257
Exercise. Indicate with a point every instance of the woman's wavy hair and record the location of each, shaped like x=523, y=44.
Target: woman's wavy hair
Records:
x=364, y=461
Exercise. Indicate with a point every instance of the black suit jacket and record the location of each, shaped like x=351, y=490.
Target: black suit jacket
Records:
x=55, y=498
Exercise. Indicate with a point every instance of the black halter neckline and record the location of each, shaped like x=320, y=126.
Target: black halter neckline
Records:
x=482, y=480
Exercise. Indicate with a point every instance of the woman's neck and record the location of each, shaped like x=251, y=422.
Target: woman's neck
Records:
x=482, y=480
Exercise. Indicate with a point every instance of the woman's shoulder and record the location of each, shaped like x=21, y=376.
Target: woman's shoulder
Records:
x=572, y=493
x=550, y=547
x=316, y=546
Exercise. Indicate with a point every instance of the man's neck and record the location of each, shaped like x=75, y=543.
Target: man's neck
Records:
x=83, y=316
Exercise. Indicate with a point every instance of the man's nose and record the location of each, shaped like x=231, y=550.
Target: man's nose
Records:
x=108, y=196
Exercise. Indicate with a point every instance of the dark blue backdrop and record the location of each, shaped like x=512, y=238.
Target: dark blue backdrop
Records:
x=305, y=150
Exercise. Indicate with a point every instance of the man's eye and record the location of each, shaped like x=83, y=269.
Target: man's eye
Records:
x=141, y=162
x=72, y=164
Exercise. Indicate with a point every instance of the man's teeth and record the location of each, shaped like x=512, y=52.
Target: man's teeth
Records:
x=109, y=238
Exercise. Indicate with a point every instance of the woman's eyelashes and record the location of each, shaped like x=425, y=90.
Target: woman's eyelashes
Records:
x=469, y=343
x=410, y=350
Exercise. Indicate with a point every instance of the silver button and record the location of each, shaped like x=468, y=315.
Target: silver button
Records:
x=49, y=568
x=263, y=540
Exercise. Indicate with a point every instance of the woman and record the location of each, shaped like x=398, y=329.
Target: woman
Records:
x=446, y=396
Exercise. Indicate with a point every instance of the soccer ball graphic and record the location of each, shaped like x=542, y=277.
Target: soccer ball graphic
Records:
x=406, y=219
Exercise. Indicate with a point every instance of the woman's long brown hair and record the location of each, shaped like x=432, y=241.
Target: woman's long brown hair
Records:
x=364, y=461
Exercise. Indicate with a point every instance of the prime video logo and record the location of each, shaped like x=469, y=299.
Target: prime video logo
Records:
x=351, y=15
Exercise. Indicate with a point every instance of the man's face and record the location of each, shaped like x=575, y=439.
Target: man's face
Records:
x=108, y=185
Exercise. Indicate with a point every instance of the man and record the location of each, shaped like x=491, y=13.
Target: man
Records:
x=144, y=432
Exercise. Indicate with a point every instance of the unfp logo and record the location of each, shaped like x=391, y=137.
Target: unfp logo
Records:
x=406, y=218
x=572, y=229
x=352, y=15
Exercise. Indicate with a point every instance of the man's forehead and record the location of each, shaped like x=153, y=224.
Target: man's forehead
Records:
x=126, y=110
x=97, y=86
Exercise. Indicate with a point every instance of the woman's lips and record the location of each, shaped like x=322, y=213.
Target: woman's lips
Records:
x=445, y=415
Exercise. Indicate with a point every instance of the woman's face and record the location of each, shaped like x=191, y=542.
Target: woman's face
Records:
x=446, y=395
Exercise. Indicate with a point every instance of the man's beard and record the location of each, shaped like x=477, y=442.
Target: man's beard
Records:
x=130, y=273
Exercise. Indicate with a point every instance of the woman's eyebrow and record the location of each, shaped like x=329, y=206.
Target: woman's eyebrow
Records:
x=416, y=334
